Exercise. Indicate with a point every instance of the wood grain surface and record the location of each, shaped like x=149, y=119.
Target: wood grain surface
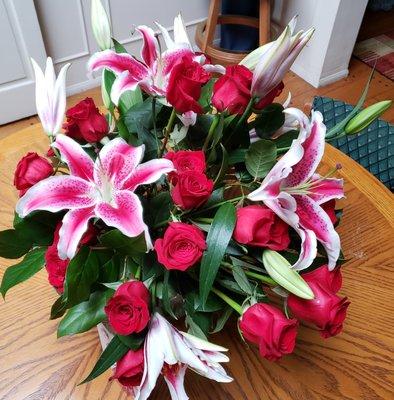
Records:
x=358, y=364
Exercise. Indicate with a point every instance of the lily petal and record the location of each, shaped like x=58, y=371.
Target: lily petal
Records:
x=148, y=172
x=126, y=214
x=74, y=225
x=59, y=99
x=148, y=52
x=124, y=82
x=325, y=189
x=180, y=33
x=314, y=218
x=78, y=161
x=117, y=63
x=175, y=376
x=57, y=193
x=166, y=36
x=313, y=152
x=115, y=161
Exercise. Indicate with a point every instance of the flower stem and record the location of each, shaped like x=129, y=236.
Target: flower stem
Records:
x=247, y=113
x=263, y=278
x=167, y=130
x=235, y=199
x=211, y=131
x=228, y=300
x=154, y=124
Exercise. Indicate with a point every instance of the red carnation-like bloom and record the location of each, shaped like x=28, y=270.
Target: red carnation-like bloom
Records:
x=186, y=160
x=181, y=247
x=128, y=309
x=327, y=310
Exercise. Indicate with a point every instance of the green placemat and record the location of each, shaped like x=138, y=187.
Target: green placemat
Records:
x=373, y=148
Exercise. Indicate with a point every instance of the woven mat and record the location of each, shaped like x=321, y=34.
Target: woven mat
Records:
x=373, y=148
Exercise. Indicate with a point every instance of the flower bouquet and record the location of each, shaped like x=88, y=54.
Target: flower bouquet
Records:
x=192, y=199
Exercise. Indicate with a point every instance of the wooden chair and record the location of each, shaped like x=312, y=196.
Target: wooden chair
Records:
x=205, y=31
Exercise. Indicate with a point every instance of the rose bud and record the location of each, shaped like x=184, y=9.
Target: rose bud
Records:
x=181, y=247
x=231, y=92
x=259, y=226
x=84, y=122
x=191, y=189
x=30, y=170
x=327, y=310
x=184, y=85
x=130, y=368
x=128, y=309
x=268, y=327
x=186, y=160
x=269, y=97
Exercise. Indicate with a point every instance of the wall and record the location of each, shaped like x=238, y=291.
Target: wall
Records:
x=326, y=57
x=67, y=33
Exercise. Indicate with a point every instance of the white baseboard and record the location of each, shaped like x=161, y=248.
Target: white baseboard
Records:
x=82, y=86
x=336, y=76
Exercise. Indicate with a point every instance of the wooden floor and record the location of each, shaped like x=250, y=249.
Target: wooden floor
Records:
x=348, y=90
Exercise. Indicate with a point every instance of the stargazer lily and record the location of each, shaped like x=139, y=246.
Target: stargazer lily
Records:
x=152, y=73
x=102, y=189
x=295, y=192
x=170, y=352
x=50, y=96
x=271, y=62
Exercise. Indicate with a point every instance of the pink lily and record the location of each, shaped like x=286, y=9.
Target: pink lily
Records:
x=171, y=352
x=50, y=96
x=152, y=73
x=102, y=189
x=295, y=192
x=271, y=62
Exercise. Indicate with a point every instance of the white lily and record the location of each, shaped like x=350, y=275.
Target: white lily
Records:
x=100, y=25
x=50, y=96
x=171, y=352
x=271, y=61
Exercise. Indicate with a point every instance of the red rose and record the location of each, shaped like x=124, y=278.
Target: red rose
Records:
x=30, y=170
x=269, y=98
x=57, y=267
x=259, y=226
x=181, y=247
x=128, y=309
x=184, y=85
x=84, y=122
x=130, y=368
x=268, y=327
x=186, y=160
x=231, y=91
x=327, y=310
x=191, y=189
x=329, y=208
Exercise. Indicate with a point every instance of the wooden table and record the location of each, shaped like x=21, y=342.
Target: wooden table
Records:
x=358, y=364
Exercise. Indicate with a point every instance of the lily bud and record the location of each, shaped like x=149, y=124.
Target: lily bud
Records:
x=100, y=25
x=280, y=270
x=366, y=117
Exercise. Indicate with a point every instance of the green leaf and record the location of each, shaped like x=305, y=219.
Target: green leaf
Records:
x=140, y=114
x=123, y=244
x=159, y=208
x=108, y=79
x=129, y=99
x=115, y=350
x=119, y=48
x=82, y=272
x=206, y=94
x=218, y=238
x=133, y=342
x=242, y=279
x=223, y=319
x=85, y=315
x=58, y=308
x=166, y=295
x=237, y=156
x=260, y=158
x=14, y=244
x=270, y=120
x=286, y=139
x=223, y=167
x=194, y=328
x=29, y=266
